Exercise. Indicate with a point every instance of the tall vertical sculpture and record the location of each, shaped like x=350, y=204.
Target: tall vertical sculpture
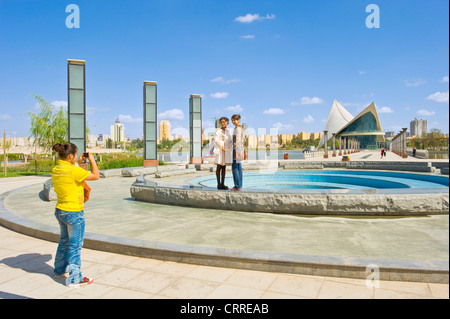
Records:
x=150, y=124
x=76, y=84
x=325, y=134
x=404, y=154
x=195, y=128
x=334, y=144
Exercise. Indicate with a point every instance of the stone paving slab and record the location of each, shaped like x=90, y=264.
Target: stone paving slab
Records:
x=25, y=262
x=26, y=266
x=409, y=248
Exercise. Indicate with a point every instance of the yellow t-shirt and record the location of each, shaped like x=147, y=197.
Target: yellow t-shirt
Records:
x=69, y=187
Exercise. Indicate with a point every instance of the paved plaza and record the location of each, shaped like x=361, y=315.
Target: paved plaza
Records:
x=26, y=263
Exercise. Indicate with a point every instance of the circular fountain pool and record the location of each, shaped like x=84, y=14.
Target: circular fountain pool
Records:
x=329, y=179
x=309, y=192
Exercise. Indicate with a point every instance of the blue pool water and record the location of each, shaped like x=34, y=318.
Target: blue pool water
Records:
x=329, y=179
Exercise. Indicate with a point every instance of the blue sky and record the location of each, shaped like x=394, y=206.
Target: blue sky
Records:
x=280, y=64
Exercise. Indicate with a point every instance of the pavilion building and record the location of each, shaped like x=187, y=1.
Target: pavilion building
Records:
x=365, y=128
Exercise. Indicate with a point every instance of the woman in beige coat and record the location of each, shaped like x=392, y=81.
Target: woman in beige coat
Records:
x=223, y=148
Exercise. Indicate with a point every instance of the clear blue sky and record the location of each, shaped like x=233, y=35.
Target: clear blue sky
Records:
x=278, y=63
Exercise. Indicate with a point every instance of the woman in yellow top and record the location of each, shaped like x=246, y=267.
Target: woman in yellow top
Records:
x=68, y=182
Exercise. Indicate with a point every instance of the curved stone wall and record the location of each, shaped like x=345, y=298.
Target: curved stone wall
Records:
x=332, y=202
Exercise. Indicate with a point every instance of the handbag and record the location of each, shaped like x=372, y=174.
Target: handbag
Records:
x=241, y=155
x=87, y=192
x=212, y=147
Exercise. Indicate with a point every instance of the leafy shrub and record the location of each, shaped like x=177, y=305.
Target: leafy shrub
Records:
x=119, y=160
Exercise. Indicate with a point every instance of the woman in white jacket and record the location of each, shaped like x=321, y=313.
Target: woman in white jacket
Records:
x=223, y=147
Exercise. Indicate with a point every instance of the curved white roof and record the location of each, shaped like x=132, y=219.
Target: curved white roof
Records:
x=337, y=119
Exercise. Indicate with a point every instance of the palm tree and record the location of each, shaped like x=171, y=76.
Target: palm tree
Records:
x=50, y=125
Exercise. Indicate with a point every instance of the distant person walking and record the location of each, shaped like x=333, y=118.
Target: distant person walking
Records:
x=223, y=150
x=68, y=182
x=238, y=152
x=382, y=153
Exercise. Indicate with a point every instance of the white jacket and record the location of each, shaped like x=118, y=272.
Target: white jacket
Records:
x=223, y=139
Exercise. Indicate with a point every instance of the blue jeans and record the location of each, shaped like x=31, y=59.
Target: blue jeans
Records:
x=69, y=249
x=236, y=167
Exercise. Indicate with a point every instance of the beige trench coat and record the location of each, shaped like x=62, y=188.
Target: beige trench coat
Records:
x=223, y=139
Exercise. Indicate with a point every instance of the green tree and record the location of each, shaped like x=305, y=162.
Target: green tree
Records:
x=109, y=143
x=137, y=143
x=169, y=145
x=50, y=125
x=436, y=139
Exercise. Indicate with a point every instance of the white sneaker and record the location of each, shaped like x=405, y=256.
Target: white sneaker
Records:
x=84, y=282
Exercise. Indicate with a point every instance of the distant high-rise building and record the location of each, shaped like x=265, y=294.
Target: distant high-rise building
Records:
x=118, y=132
x=418, y=127
x=285, y=138
x=177, y=136
x=315, y=136
x=389, y=134
x=164, y=131
x=304, y=135
x=264, y=140
x=252, y=141
x=267, y=139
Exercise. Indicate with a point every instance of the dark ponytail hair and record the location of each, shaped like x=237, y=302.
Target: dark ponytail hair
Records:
x=65, y=149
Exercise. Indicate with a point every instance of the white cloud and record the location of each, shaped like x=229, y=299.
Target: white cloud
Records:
x=425, y=113
x=282, y=127
x=362, y=72
x=64, y=104
x=5, y=117
x=236, y=108
x=129, y=119
x=274, y=111
x=439, y=97
x=385, y=109
x=308, y=119
x=219, y=95
x=174, y=114
x=249, y=36
x=249, y=18
x=308, y=100
x=414, y=83
x=445, y=79
x=220, y=79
